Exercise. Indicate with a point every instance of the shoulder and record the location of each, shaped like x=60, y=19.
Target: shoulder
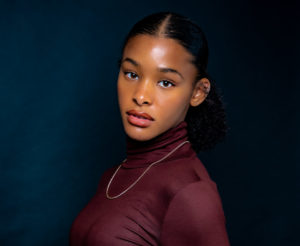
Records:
x=192, y=166
x=184, y=175
x=195, y=217
x=200, y=198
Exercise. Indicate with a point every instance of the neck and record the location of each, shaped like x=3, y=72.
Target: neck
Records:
x=143, y=153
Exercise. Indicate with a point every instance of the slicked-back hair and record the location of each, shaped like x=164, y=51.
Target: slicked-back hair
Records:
x=206, y=122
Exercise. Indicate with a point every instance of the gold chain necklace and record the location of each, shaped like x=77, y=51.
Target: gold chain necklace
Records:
x=133, y=184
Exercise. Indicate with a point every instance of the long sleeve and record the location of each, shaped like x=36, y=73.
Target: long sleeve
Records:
x=195, y=217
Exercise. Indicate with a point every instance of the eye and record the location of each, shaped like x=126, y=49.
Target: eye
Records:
x=166, y=83
x=131, y=75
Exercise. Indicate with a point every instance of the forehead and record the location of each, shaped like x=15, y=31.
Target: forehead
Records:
x=158, y=50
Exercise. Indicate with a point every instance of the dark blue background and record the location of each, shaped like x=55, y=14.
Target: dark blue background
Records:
x=60, y=123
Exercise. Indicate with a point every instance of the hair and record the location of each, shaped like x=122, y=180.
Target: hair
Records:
x=206, y=123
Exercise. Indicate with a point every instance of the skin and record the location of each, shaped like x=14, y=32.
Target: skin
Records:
x=145, y=85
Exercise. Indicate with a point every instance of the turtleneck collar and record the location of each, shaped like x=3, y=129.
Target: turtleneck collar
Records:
x=143, y=153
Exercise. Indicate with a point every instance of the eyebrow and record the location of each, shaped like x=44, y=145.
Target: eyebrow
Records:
x=160, y=69
x=169, y=70
x=133, y=62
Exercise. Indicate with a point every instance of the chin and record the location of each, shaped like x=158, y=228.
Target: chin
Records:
x=138, y=133
x=139, y=136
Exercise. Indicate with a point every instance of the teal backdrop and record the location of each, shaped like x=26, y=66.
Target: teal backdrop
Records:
x=60, y=123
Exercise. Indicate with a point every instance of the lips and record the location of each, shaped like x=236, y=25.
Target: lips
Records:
x=142, y=115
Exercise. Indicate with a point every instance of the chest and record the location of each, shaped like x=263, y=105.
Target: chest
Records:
x=134, y=218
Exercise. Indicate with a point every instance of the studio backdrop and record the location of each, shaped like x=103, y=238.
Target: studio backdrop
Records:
x=60, y=126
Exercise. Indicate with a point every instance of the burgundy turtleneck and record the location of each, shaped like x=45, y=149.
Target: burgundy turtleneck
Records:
x=174, y=203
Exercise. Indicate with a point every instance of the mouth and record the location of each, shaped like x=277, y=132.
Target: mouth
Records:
x=139, y=119
x=140, y=115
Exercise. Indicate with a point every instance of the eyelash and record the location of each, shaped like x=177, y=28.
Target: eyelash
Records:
x=126, y=74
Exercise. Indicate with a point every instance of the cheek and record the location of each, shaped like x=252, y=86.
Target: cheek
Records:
x=121, y=92
x=119, y=82
x=121, y=98
x=173, y=105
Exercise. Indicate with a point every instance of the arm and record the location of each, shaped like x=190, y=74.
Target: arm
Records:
x=195, y=217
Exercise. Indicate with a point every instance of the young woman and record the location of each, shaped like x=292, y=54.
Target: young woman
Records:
x=161, y=194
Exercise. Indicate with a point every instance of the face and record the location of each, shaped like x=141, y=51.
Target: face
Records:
x=155, y=82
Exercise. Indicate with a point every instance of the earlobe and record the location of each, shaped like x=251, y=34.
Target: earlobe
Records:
x=200, y=92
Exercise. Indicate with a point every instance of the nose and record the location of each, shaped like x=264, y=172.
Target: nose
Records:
x=144, y=93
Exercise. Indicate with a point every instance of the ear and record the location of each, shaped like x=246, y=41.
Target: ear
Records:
x=200, y=92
